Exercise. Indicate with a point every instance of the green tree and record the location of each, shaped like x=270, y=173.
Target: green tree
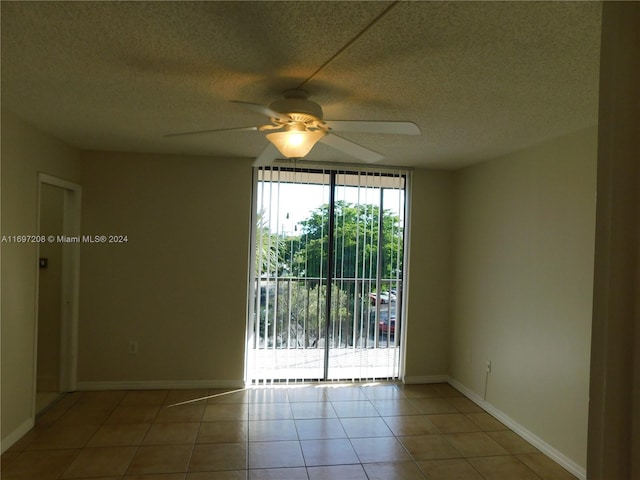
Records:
x=355, y=241
x=292, y=302
x=268, y=248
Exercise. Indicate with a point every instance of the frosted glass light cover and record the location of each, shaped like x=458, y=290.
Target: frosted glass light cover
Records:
x=295, y=144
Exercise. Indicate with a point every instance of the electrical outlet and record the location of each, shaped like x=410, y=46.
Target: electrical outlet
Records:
x=133, y=347
x=488, y=366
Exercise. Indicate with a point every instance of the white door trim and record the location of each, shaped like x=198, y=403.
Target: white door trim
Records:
x=70, y=295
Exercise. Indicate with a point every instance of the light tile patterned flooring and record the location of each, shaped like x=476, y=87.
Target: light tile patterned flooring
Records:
x=380, y=431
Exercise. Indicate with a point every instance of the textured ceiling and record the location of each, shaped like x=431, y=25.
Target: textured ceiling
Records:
x=479, y=78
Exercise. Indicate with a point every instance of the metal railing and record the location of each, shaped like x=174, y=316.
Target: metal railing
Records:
x=290, y=313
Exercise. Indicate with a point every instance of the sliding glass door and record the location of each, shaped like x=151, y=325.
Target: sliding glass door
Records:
x=328, y=269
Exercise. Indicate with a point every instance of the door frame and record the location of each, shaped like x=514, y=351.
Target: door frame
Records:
x=70, y=291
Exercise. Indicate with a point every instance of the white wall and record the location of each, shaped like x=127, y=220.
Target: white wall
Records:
x=427, y=341
x=178, y=287
x=523, y=277
x=25, y=152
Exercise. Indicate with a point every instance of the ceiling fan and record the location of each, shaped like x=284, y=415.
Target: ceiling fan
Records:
x=297, y=124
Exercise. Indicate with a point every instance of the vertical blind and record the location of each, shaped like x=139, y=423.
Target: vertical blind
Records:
x=328, y=275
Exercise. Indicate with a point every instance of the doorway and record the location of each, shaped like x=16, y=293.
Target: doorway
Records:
x=57, y=292
x=327, y=283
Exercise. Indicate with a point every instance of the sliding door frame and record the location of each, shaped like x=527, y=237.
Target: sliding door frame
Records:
x=330, y=274
x=333, y=171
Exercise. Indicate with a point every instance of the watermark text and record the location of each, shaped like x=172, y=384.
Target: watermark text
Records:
x=65, y=238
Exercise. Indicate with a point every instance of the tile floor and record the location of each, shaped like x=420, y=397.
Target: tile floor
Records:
x=385, y=431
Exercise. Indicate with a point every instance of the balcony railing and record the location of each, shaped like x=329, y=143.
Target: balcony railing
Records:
x=290, y=313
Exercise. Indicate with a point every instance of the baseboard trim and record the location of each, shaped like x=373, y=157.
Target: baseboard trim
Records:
x=17, y=434
x=426, y=379
x=530, y=437
x=159, y=384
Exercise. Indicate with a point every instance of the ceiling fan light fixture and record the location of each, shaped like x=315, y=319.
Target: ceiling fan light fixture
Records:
x=296, y=141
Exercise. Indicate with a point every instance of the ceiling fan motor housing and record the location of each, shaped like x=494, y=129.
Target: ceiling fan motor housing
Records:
x=297, y=106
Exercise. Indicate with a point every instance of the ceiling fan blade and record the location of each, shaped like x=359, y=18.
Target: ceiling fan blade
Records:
x=267, y=156
x=198, y=132
x=400, y=128
x=261, y=109
x=350, y=148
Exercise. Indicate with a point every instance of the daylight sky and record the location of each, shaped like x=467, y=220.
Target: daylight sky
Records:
x=299, y=200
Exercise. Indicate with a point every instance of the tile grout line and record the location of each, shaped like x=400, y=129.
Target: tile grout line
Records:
x=393, y=435
x=295, y=425
x=151, y=423
x=195, y=440
x=137, y=447
x=86, y=444
x=413, y=459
